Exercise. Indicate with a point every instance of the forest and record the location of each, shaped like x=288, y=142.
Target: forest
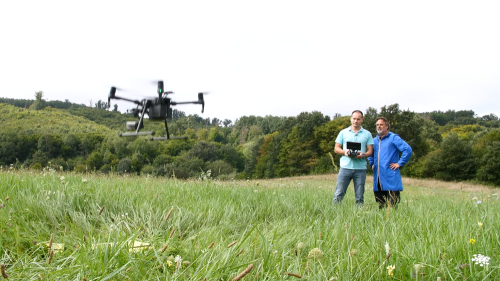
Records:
x=37, y=134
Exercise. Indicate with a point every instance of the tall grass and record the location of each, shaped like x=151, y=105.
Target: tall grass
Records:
x=97, y=219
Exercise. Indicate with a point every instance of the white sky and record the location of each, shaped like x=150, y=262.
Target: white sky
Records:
x=257, y=57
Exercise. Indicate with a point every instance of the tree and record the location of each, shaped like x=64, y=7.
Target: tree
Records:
x=409, y=126
x=177, y=114
x=370, y=118
x=215, y=135
x=9, y=146
x=489, y=164
x=232, y=156
x=227, y=123
x=251, y=153
x=431, y=132
x=39, y=103
x=70, y=146
x=100, y=104
x=454, y=160
x=94, y=161
x=490, y=117
x=205, y=151
x=46, y=145
x=220, y=167
x=123, y=165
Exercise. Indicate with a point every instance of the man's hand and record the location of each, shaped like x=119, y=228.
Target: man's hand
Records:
x=394, y=166
x=360, y=155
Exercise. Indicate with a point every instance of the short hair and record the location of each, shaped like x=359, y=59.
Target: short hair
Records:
x=359, y=111
x=385, y=121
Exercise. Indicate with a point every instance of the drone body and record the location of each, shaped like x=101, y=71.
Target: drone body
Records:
x=157, y=109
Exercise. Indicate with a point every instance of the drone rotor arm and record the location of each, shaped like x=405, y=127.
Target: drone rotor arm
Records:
x=120, y=98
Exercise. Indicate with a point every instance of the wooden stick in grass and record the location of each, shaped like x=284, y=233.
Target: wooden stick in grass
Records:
x=4, y=274
x=164, y=248
x=241, y=251
x=50, y=256
x=243, y=273
x=293, y=274
x=232, y=244
x=50, y=241
x=102, y=209
x=168, y=215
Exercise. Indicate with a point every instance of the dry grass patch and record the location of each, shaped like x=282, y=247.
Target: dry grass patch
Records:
x=425, y=183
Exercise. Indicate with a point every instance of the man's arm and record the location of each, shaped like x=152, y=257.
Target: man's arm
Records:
x=405, y=150
x=369, y=151
x=339, y=150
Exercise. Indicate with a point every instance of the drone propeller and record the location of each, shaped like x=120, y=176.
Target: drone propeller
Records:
x=201, y=101
x=111, y=95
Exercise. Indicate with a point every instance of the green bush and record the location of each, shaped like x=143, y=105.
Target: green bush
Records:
x=80, y=168
x=148, y=170
x=220, y=167
x=123, y=165
x=36, y=166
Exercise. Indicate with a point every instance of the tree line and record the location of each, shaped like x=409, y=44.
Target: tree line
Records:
x=450, y=145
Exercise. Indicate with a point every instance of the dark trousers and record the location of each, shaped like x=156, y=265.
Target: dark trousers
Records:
x=384, y=197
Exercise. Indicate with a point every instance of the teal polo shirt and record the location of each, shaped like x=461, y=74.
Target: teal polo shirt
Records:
x=362, y=136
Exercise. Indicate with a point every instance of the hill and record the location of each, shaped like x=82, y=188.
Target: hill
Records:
x=46, y=121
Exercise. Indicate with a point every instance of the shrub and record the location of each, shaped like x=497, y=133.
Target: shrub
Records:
x=148, y=170
x=123, y=165
x=220, y=167
x=80, y=168
x=37, y=166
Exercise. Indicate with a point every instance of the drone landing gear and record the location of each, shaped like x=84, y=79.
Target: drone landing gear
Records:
x=168, y=135
x=168, y=138
x=136, y=134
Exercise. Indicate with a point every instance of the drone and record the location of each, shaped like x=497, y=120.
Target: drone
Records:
x=158, y=109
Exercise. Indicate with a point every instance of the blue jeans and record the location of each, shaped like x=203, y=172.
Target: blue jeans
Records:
x=344, y=178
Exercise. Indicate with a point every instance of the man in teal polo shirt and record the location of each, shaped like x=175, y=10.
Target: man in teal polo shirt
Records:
x=353, y=167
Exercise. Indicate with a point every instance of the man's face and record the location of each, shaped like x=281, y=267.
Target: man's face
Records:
x=356, y=119
x=382, y=128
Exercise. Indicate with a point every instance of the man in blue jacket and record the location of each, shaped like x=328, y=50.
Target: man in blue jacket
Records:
x=386, y=163
x=353, y=167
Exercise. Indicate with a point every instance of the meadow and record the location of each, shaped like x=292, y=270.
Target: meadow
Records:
x=68, y=226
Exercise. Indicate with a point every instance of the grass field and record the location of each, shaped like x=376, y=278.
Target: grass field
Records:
x=63, y=226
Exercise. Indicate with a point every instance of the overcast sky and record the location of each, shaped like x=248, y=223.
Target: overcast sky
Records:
x=256, y=57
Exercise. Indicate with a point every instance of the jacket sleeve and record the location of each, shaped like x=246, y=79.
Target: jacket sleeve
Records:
x=405, y=150
x=370, y=160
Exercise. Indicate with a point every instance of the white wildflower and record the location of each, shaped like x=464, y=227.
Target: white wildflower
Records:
x=481, y=260
x=387, y=248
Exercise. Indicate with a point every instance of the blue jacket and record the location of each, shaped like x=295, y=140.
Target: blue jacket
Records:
x=386, y=151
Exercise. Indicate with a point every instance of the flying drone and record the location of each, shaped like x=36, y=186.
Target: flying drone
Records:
x=157, y=109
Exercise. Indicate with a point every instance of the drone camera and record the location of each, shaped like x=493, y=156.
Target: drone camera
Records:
x=132, y=125
x=158, y=112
